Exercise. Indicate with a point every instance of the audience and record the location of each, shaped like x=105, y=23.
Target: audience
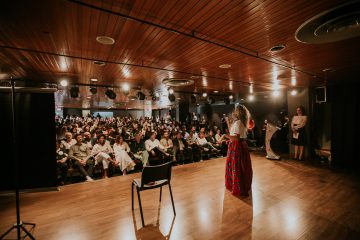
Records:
x=121, y=143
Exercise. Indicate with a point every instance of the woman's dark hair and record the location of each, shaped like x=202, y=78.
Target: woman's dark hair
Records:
x=302, y=109
x=101, y=135
x=118, y=137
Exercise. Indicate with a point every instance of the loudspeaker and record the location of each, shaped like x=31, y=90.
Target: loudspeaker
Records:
x=226, y=100
x=171, y=97
x=320, y=94
x=74, y=92
x=110, y=94
x=211, y=100
x=141, y=96
x=93, y=90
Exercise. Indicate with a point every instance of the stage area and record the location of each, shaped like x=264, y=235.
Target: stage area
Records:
x=290, y=200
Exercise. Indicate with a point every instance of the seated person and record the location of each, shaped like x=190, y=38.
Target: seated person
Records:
x=80, y=154
x=204, y=145
x=154, y=147
x=61, y=160
x=138, y=149
x=181, y=149
x=68, y=142
x=122, y=158
x=101, y=152
x=222, y=139
x=167, y=143
x=87, y=139
x=212, y=140
x=191, y=141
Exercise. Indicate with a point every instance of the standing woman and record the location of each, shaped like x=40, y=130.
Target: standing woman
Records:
x=298, y=139
x=238, y=175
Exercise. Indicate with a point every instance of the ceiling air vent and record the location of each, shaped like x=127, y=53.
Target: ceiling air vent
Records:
x=340, y=23
x=177, y=82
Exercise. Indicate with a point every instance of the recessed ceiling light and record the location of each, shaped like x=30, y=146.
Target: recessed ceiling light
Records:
x=178, y=98
x=241, y=99
x=251, y=98
x=277, y=48
x=88, y=97
x=195, y=77
x=64, y=83
x=231, y=97
x=327, y=70
x=105, y=40
x=225, y=66
x=276, y=93
x=216, y=91
x=126, y=87
x=99, y=63
x=93, y=79
x=293, y=92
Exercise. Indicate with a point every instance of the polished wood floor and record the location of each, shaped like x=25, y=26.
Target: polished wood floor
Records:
x=290, y=200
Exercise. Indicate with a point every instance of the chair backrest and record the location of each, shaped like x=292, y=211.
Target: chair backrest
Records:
x=156, y=173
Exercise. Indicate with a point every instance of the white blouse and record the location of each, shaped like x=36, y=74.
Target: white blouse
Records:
x=298, y=122
x=238, y=128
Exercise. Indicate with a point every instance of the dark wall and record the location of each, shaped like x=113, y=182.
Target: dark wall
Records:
x=35, y=138
x=345, y=130
x=72, y=111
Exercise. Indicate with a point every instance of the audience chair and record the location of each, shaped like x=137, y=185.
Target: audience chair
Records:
x=152, y=177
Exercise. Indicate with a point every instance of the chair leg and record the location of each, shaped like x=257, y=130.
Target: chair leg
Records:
x=141, y=211
x=172, y=200
x=132, y=196
x=160, y=193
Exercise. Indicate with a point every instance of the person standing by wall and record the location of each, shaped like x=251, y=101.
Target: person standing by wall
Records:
x=298, y=139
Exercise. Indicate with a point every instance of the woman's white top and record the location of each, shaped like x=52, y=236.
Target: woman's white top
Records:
x=298, y=122
x=238, y=128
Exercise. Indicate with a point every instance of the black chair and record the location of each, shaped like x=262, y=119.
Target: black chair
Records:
x=152, y=177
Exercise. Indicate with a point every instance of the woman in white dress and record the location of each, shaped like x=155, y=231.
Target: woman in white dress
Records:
x=122, y=158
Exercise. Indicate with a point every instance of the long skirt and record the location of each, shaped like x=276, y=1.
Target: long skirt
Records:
x=238, y=176
x=125, y=161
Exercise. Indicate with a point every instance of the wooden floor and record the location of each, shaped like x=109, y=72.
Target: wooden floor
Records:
x=290, y=200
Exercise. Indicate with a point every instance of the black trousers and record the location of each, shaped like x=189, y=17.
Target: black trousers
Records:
x=89, y=165
x=63, y=168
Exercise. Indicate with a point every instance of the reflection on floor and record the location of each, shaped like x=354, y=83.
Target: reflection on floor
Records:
x=290, y=200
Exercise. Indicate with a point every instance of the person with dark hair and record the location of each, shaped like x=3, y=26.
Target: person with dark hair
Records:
x=181, y=149
x=123, y=160
x=101, y=152
x=80, y=153
x=61, y=160
x=298, y=139
x=138, y=149
x=238, y=175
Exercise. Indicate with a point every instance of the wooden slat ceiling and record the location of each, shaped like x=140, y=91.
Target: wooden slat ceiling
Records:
x=47, y=41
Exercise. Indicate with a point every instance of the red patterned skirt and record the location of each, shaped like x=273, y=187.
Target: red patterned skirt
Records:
x=238, y=175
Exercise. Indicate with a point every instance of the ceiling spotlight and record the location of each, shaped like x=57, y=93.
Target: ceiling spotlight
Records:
x=126, y=87
x=93, y=79
x=293, y=92
x=216, y=91
x=110, y=94
x=211, y=100
x=74, y=92
x=225, y=66
x=171, y=97
x=89, y=97
x=105, y=40
x=93, y=90
x=64, y=83
x=231, y=97
x=141, y=96
x=251, y=98
x=171, y=91
x=276, y=93
x=204, y=94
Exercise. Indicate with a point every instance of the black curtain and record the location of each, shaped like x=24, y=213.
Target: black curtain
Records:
x=35, y=136
x=345, y=126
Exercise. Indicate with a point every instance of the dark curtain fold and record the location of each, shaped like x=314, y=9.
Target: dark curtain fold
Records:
x=35, y=136
x=345, y=130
